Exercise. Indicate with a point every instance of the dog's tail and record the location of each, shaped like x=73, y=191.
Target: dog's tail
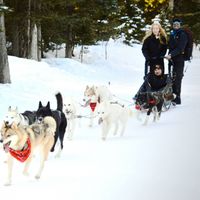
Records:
x=59, y=101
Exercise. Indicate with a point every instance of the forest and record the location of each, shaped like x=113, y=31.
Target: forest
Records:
x=31, y=27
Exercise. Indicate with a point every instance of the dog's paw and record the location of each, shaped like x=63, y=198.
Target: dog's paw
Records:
x=69, y=137
x=25, y=173
x=37, y=176
x=58, y=154
x=7, y=183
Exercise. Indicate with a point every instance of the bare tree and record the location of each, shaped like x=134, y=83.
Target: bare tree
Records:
x=4, y=66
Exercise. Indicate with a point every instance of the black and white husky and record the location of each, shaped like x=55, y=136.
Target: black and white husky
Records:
x=58, y=115
x=153, y=103
x=21, y=119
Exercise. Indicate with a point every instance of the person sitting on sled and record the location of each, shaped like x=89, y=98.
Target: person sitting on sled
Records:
x=154, y=82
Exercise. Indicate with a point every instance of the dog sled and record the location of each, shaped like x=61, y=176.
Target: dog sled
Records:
x=146, y=99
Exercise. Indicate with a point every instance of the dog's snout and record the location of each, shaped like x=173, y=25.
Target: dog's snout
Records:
x=40, y=119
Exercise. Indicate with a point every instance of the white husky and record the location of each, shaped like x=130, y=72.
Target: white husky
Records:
x=93, y=96
x=109, y=114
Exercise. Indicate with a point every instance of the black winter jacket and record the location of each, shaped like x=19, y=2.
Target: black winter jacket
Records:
x=153, y=49
x=154, y=83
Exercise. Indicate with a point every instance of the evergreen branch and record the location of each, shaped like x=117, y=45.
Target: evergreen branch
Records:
x=188, y=14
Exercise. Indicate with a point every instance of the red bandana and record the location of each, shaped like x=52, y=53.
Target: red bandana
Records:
x=21, y=155
x=137, y=107
x=93, y=106
x=152, y=102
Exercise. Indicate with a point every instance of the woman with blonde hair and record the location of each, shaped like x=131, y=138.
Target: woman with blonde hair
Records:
x=154, y=47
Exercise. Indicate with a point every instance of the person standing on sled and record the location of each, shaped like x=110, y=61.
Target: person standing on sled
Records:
x=155, y=81
x=154, y=47
x=177, y=44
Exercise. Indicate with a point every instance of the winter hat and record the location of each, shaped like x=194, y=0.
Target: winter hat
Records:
x=176, y=20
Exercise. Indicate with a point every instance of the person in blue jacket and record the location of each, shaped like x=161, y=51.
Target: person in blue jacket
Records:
x=177, y=44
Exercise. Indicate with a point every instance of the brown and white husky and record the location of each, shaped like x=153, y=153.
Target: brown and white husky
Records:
x=20, y=142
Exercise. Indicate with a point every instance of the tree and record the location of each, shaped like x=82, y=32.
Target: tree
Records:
x=77, y=22
x=189, y=12
x=4, y=66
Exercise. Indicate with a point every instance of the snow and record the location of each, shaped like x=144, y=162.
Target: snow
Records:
x=159, y=161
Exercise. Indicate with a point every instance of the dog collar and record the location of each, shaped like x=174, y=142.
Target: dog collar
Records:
x=23, y=154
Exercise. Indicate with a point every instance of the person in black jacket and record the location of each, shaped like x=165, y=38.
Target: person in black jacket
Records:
x=155, y=81
x=177, y=43
x=154, y=47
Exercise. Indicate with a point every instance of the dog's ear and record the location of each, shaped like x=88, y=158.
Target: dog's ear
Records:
x=3, y=126
x=95, y=89
x=48, y=105
x=40, y=104
x=9, y=108
x=87, y=87
x=16, y=109
x=99, y=99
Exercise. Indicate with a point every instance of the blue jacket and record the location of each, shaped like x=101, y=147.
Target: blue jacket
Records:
x=177, y=43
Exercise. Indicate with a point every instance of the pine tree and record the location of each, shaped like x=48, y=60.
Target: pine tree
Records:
x=4, y=66
x=189, y=12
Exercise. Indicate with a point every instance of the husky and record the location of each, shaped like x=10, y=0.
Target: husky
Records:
x=110, y=113
x=93, y=96
x=153, y=103
x=99, y=93
x=58, y=115
x=22, y=119
x=20, y=142
x=70, y=110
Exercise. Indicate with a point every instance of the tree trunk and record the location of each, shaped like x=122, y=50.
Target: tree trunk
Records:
x=34, y=43
x=29, y=30
x=4, y=66
x=171, y=5
x=15, y=39
x=106, y=50
x=69, y=45
x=39, y=33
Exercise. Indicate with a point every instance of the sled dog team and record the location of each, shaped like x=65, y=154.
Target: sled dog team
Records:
x=22, y=133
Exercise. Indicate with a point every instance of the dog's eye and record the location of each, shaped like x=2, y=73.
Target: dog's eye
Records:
x=102, y=112
x=8, y=135
x=69, y=104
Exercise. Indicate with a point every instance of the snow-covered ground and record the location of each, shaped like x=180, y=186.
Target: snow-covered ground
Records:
x=160, y=161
